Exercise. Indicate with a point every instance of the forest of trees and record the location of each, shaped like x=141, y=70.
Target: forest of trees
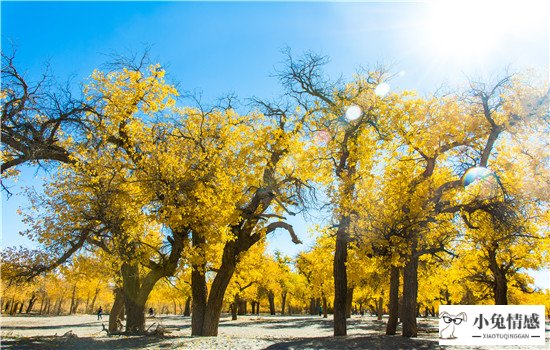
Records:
x=154, y=202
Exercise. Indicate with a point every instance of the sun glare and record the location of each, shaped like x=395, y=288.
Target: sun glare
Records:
x=471, y=29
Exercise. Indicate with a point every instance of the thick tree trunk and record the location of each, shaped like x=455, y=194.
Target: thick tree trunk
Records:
x=500, y=286
x=116, y=310
x=312, y=306
x=271, y=299
x=135, y=307
x=199, y=290
x=217, y=292
x=324, y=307
x=241, y=307
x=410, y=294
x=187, y=309
x=283, y=302
x=349, y=301
x=258, y=307
x=393, y=311
x=340, y=277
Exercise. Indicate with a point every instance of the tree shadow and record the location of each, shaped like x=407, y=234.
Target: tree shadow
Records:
x=122, y=342
x=57, y=326
x=295, y=323
x=354, y=342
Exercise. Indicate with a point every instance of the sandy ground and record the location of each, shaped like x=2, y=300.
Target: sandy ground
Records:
x=247, y=333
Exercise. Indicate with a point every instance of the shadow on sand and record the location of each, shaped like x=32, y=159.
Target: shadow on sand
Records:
x=123, y=342
x=361, y=342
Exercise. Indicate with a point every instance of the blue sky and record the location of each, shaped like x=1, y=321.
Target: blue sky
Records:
x=221, y=47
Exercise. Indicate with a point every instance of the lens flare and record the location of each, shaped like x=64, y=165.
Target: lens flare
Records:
x=353, y=112
x=382, y=89
x=481, y=183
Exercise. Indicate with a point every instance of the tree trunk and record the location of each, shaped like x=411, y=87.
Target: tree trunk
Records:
x=187, y=309
x=500, y=286
x=217, y=292
x=73, y=299
x=60, y=303
x=135, y=306
x=241, y=307
x=31, y=303
x=340, y=277
x=253, y=306
x=234, y=309
x=257, y=307
x=283, y=302
x=92, y=305
x=271, y=299
x=116, y=310
x=21, y=307
x=324, y=307
x=410, y=294
x=8, y=304
x=380, y=308
x=349, y=301
x=42, y=304
x=198, y=289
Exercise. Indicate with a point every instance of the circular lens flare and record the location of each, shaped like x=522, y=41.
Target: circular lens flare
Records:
x=382, y=89
x=353, y=112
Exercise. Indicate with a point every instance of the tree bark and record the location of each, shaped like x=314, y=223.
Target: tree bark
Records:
x=92, y=305
x=241, y=307
x=187, y=309
x=234, y=309
x=380, y=308
x=340, y=277
x=349, y=302
x=31, y=303
x=73, y=299
x=391, y=327
x=271, y=299
x=59, y=305
x=116, y=309
x=500, y=283
x=217, y=292
x=325, y=307
x=283, y=302
x=198, y=289
x=253, y=306
x=410, y=295
x=135, y=307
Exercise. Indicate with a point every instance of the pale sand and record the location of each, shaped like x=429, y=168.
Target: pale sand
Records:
x=248, y=332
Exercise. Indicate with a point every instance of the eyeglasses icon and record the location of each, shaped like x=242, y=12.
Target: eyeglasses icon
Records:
x=457, y=320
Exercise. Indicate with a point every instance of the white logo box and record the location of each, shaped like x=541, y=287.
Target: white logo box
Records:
x=491, y=324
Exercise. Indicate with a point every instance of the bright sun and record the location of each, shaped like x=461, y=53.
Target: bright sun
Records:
x=470, y=29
